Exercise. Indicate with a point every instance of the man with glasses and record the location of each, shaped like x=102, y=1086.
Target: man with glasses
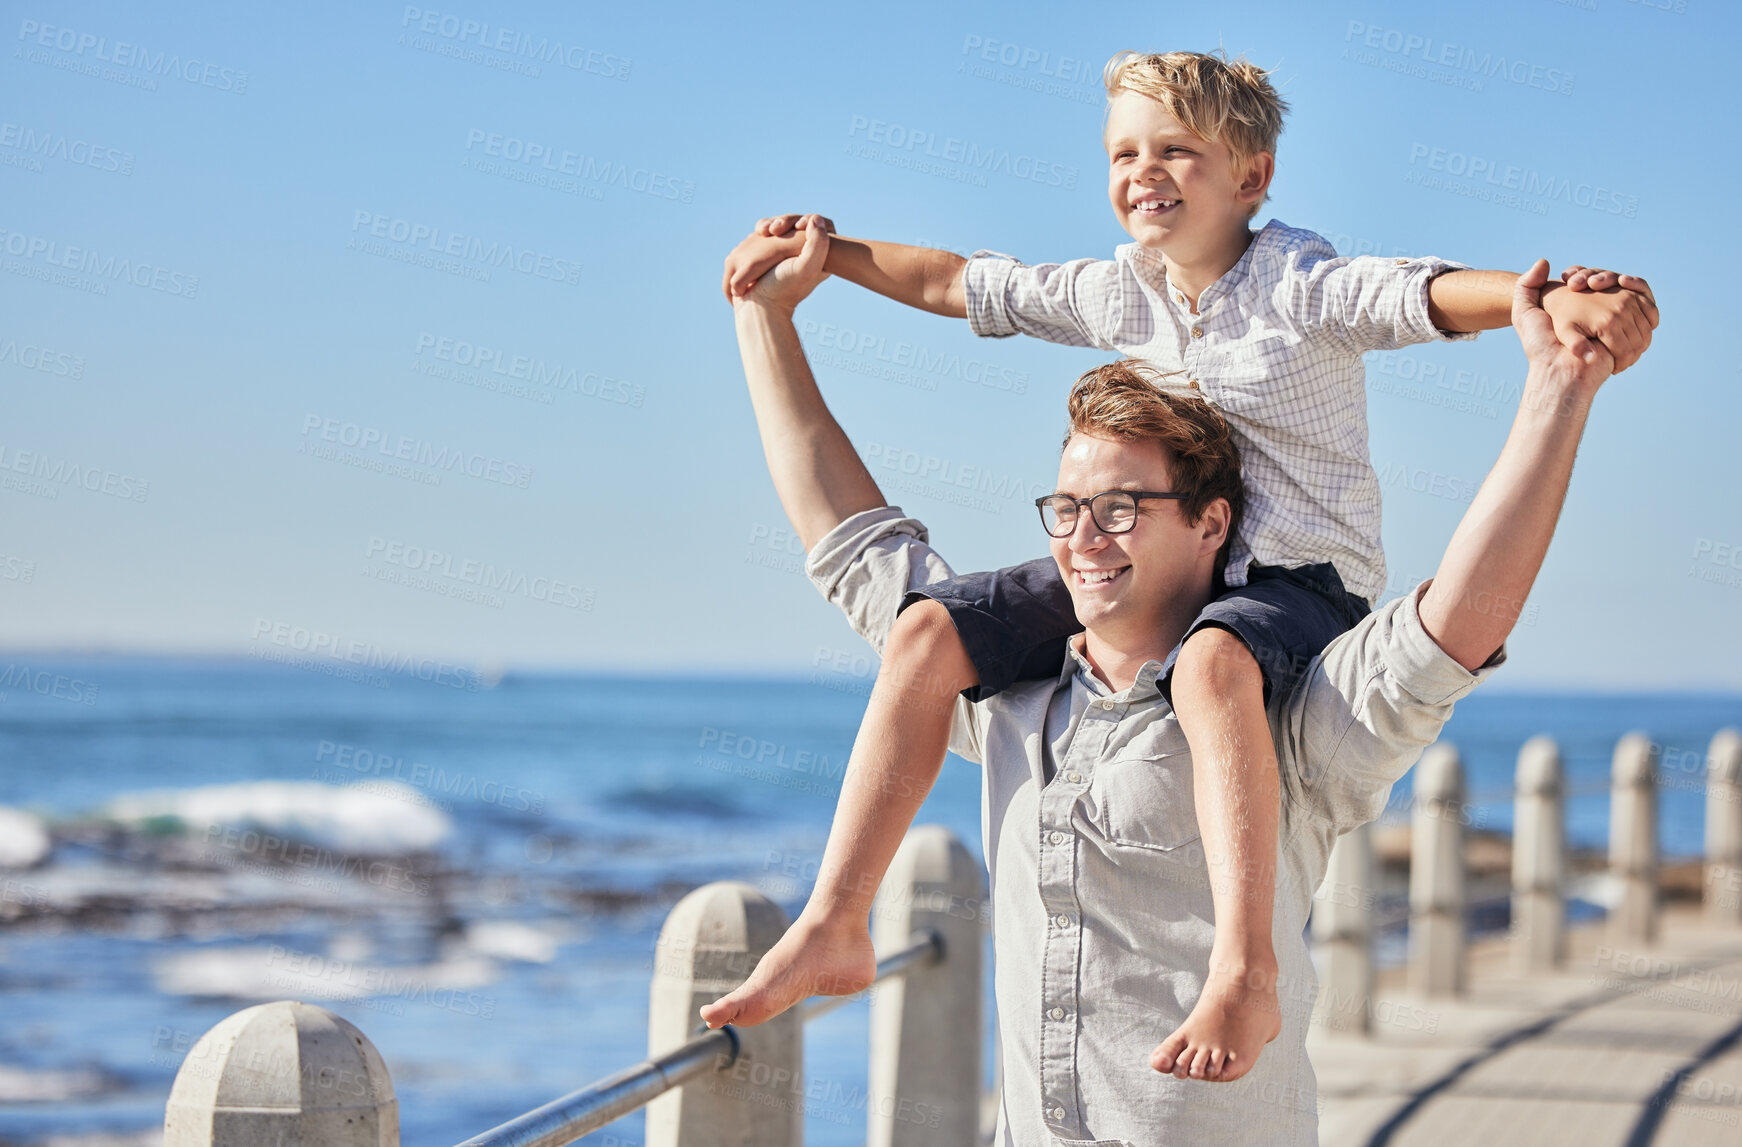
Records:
x=1102, y=920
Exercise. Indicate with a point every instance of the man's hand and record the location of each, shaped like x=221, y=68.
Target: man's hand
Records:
x=771, y=240
x=1564, y=353
x=1617, y=310
x=793, y=277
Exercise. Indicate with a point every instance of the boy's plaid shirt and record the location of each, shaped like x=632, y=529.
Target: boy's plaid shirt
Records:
x=1276, y=346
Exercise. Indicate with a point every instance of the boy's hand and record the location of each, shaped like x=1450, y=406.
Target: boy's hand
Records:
x=771, y=240
x=778, y=225
x=793, y=277
x=1616, y=310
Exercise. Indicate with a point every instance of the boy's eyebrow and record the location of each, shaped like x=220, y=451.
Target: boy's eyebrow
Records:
x=1167, y=138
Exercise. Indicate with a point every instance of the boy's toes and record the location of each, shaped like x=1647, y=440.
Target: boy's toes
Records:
x=721, y=1012
x=1167, y=1055
x=1200, y=1063
x=1214, y=1063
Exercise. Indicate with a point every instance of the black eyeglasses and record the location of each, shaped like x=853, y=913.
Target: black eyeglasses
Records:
x=1115, y=511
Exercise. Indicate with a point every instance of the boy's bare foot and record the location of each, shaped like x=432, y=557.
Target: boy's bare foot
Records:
x=809, y=960
x=1234, y=1018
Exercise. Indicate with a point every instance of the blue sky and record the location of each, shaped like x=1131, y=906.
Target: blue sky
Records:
x=332, y=312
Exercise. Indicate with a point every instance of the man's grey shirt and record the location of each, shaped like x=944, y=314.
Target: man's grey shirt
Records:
x=1101, y=912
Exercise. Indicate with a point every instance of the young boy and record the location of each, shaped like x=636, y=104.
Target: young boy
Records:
x=1270, y=327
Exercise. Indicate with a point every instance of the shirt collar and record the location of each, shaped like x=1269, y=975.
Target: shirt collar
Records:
x=1152, y=267
x=1144, y=688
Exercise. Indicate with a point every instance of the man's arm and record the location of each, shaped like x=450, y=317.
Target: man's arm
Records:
x=1494, y=555
x=818, y=475
x=921, y=277
x=1615, y=310
x=1383, y=691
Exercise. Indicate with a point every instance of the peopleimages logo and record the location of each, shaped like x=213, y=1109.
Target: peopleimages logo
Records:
x=1459, y=57
x=416, y=451
x=78, y=152
x=561, y=161
x=430, y=240
x=317, y=643
x=517, y=47
x=89, y=261
x=485, y=575
x=87, y=47
x=964, y=154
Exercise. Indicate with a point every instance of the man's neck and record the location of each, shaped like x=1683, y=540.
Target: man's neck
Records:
x=1117, y=652
x=1191, y=272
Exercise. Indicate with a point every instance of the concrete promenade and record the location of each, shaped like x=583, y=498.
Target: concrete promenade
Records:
x=1623, y=1045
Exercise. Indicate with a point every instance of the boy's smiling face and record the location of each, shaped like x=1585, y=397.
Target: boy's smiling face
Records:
x=1171, y=191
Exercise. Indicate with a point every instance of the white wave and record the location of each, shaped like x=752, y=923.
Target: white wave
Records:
x=24, y=838
x=508, y=940
x=263, y=973
x=22, y=1085
x=370, y=817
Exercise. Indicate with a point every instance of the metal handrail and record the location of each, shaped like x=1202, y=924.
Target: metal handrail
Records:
x=566, y=1119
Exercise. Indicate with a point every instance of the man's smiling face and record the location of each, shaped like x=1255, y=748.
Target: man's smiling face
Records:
x=1167, y=186
x=1122, y=584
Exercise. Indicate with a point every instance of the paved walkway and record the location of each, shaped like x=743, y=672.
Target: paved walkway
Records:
x=1625, y=1045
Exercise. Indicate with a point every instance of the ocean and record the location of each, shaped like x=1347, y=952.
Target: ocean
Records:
x=475, y=877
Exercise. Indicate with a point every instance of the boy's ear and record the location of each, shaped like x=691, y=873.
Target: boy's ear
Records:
x=1255, y=178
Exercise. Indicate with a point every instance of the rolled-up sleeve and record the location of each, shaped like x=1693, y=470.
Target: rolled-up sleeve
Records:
x=1075, y=303
x=865, y=566
x=1370, y=302
x=1377, y=698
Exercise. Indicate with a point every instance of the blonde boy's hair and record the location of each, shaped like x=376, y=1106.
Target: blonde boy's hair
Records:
x=1213, y=97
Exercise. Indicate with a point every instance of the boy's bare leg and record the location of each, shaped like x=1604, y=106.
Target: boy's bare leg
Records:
x=895, y=760
x=1218, y=696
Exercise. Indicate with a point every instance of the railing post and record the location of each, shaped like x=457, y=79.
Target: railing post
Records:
x=1436, y=875
x=1342, y=925
x=282, y=1072
x=926, y=1025
x=710, y=943
x=1633, y=840
x=1723, y=894
x=1539, y=860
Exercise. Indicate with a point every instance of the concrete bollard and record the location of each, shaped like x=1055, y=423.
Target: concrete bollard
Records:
x=1723, y=888
x=1633, y=840
x=1436, y=875
x=710, y=943
x=282, y=1072
x=926, y=1025
x=1342, y=925
x=1539, y=859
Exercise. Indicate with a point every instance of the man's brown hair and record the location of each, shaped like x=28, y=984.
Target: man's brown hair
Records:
x=1125, y=401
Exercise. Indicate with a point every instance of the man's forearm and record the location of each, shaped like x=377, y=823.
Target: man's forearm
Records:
x=818, y=475
x=1494, y=556
x=921, y=277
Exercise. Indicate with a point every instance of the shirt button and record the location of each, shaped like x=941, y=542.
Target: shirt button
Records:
x=1402, y=262
x=1062, y=920
x=1194, y=384
x=1057, y=837
x=1197, y=332
x=1074, y=778
x=1058, y=1113
x=1057, y=1013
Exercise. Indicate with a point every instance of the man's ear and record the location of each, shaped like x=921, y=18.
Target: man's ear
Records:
x=1255, y=178
x=1213, y=526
